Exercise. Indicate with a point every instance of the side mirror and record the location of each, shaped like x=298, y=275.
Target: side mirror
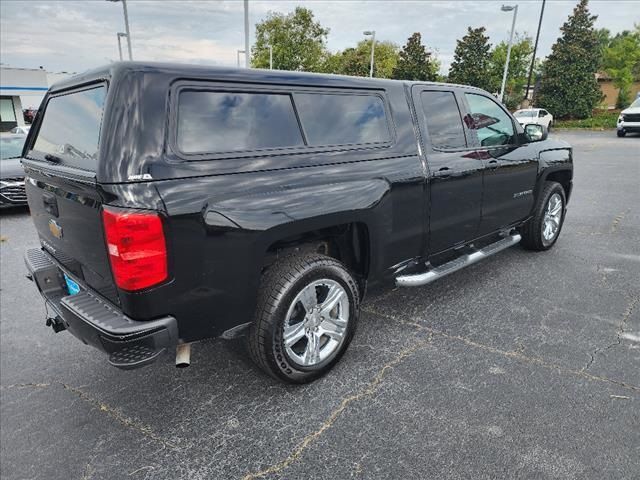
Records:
x=535, y=132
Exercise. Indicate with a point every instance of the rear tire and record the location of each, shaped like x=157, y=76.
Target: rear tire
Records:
x=542, y=231
x=305, y=318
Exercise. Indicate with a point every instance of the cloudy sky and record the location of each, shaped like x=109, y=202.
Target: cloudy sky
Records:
x=76, y=35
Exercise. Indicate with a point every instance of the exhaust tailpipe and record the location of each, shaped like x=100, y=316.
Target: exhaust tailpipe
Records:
x=183, y=355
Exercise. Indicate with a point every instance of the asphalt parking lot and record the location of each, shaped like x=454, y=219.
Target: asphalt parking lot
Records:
x=526, y=365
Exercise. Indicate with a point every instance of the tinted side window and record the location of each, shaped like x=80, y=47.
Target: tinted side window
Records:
x=334, y=119
x=210, y=122
x=70, y=128
x=442, y=117
x=493, y=125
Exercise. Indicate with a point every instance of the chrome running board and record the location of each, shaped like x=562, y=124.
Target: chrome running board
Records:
x=459, y=263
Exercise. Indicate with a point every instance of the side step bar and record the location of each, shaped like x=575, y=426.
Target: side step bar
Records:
x=459, y=263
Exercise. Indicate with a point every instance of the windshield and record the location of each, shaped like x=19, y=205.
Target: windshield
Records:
x=70, y=129
x=635, y=104
x=525, y=113
x=11, y=146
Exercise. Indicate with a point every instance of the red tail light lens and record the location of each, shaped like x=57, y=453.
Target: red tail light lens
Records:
x=136, y=246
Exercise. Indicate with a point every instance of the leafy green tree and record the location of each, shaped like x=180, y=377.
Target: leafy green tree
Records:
x=471, y=60
x=568, y=87
x=519, y=63
x=604, y=39
x=356, y=61
x=415, y=62
x=621, y=60
x=298, y=41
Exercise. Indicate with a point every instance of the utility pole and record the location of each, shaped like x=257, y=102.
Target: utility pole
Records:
x=535, y=48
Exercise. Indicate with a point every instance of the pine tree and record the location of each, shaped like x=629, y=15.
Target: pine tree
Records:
x=568, y=87
x=415, y=62
x=471, y=60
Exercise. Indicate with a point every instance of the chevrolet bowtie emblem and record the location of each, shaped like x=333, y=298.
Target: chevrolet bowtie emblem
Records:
x=56, y=230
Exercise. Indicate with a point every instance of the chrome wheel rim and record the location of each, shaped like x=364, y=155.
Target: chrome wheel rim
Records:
x=316, y=323
x=552, y=218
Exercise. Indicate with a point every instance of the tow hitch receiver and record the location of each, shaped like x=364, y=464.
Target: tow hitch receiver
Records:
x=56, y=323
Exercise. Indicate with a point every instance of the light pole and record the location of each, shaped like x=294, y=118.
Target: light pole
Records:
x=373, y=47
x=238, y=56
x=270, y=57
x=126, y=25
x=120, y=35
x=508, y=8
x=246, y=33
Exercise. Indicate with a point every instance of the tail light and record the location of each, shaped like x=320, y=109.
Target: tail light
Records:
x=136, y=246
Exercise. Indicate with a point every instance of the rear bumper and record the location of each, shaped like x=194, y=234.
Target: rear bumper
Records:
x=97, y=322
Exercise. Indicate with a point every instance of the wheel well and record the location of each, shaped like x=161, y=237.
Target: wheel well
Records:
x=348, y=243
x=563, y=177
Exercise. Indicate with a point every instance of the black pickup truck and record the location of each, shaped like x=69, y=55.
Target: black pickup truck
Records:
x=176, y=203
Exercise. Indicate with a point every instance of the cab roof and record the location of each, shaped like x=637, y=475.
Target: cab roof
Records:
x=246, y=75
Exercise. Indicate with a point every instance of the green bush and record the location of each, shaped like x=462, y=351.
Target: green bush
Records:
x=599, y=120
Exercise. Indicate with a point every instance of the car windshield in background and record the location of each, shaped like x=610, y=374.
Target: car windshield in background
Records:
x=635, y=104
x=70, y=129
x=525, y=113
x=11, y=146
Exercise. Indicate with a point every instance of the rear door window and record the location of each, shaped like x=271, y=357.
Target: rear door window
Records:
x=219, y=122
x=342, y=119
x=70, y=129
x=442, y=117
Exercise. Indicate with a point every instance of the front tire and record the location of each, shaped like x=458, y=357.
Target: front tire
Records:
x=541, y=232
x=621, y=133
x=305, y=318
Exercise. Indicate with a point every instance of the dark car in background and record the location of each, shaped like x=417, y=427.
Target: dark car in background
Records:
x=12, y=192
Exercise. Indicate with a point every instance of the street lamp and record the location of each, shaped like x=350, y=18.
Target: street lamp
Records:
x=508, y=8
x=373, y=47
x=270, y=57
x=120, y=35
x=239, y=52
x=126, y=25
x=246, y=34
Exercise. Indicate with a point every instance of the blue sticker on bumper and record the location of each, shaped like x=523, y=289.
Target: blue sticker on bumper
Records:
x=72, y=287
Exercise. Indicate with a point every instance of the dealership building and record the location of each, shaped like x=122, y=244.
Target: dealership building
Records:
x=22, y=88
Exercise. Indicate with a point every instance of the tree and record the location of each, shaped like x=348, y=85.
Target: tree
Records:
x=621, y=60
x=356, y=61
x=471, y=60
x=415, y=62
x=297, y=40
x=519, y=63
x=568, y=87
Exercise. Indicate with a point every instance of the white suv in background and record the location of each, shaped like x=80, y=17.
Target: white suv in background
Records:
x=534, y=115
x=629, y=119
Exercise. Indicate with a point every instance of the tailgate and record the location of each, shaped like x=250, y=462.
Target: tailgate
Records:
x=67, y=217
